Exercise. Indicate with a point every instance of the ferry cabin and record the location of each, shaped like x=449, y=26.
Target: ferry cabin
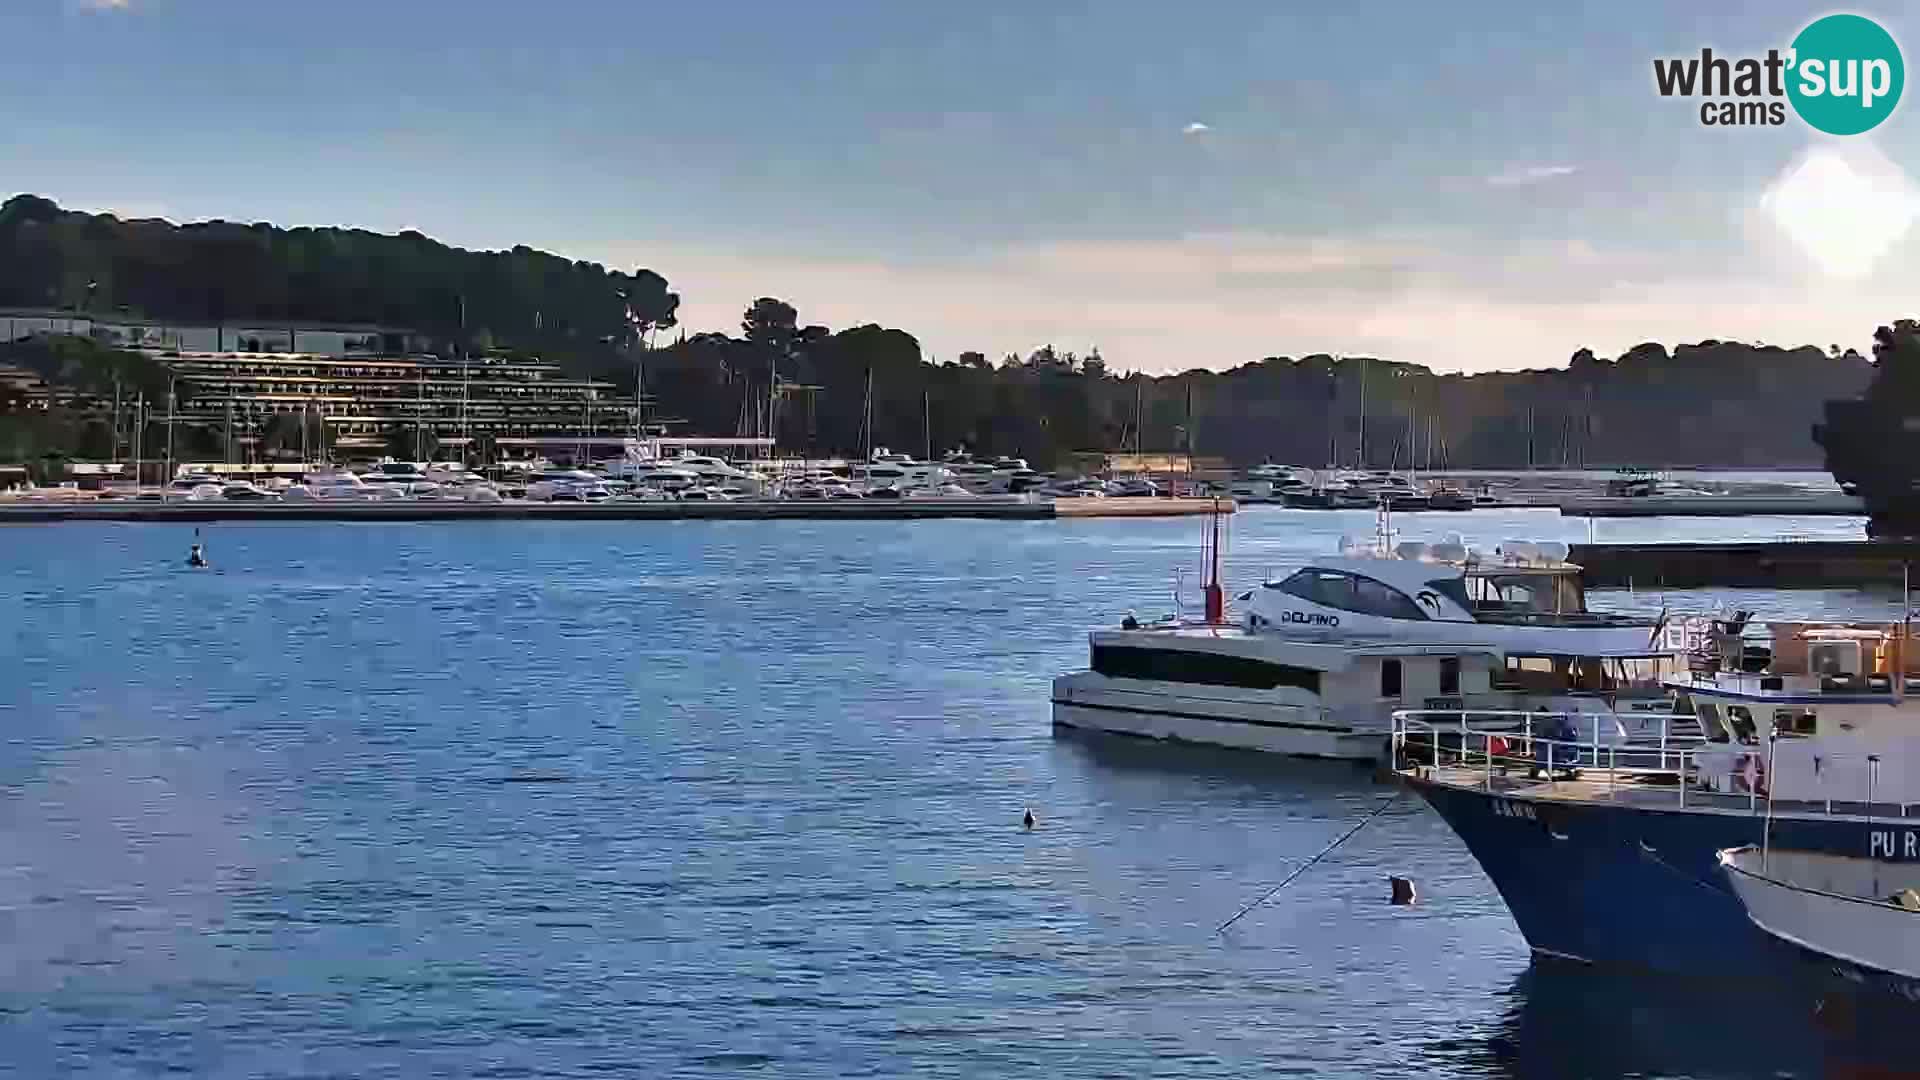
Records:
x=1225, y=686
x=1517, y=606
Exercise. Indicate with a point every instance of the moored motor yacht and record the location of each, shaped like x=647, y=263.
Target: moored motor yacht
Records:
x=245, y=491
x=194, y=487
x=1321, y=659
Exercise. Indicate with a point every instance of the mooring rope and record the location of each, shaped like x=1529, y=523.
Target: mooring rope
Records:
x=1305, y=866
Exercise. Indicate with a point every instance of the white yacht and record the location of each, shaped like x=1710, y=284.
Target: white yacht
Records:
x=336, y=484
x=1270, y=483
x=980, y=477
x=899, y=473
x=192, y=487
x=246, y=491
x=562, y=485
x=389, y=471
x=708, y=468
x=1228, y=686
x=1322, y=659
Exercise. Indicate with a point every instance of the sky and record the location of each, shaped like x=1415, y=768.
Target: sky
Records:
x=1471, y=187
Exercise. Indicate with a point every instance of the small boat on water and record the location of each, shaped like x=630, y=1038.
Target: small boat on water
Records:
x=1855, y=916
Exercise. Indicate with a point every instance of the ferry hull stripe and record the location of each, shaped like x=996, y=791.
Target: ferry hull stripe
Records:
x=1336, y=728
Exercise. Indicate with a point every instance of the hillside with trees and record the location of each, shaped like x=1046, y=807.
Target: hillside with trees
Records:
x=1710, y=404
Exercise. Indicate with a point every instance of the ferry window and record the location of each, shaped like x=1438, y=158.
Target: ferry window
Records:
x=1540, y=673
x=1453, y=589
x=1390, y=678
x=1449, y=676
x=1375, y=598
x=1741, y=720
x=1182, y=666
x=1512, y=592
x=1793, y=722
x=1328, y=588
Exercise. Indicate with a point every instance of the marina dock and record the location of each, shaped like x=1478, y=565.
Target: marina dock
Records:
x=1807, y=504
x=1007, y=509
x=1777, y=564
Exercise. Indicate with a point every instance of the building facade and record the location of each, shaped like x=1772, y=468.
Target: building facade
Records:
x=371, y=405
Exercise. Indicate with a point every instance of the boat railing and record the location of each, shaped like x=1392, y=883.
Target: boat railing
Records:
x=1477, y=745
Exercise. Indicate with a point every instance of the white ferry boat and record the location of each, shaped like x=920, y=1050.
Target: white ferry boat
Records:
x=1322, y=659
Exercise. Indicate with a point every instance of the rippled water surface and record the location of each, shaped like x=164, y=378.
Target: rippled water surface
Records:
x=646, y=799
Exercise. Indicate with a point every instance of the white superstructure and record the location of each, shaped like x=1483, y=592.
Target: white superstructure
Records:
x=1320, y=660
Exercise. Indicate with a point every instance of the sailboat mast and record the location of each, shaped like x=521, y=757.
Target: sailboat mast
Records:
x=866, y=421
x=1361, y=450
x=1139, y=416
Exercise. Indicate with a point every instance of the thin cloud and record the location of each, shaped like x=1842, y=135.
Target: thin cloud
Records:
x=105, y=5
x=1196, y=128
x=1530, y=174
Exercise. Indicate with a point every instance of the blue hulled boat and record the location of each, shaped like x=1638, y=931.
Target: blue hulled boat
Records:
x=1609, y=854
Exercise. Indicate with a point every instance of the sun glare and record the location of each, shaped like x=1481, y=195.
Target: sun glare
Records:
x=1842, y=210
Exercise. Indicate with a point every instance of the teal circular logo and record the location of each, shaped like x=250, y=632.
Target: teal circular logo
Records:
x=1846, y=74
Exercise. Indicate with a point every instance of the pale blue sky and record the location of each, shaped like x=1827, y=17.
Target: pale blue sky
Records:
x=1466, y=186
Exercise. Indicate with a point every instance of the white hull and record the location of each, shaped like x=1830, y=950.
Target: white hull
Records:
x=1820, y=903
x=1301, y=731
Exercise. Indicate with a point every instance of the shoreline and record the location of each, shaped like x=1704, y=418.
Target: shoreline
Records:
x=1011, y=509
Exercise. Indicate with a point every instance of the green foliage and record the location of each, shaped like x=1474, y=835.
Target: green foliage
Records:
x=88, y=366
x=220, y=272
x=1714, y=403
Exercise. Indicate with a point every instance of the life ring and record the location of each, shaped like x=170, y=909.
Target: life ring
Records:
x=1750, y=774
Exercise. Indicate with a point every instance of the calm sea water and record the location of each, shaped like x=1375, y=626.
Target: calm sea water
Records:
x=651, y=799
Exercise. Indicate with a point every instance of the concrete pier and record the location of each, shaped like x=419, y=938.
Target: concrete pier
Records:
x=1010, y=509
x=1784, y=564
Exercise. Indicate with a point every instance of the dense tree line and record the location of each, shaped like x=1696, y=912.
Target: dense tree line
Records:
x=1714, y=403
x=219, y=272
x=826, y=391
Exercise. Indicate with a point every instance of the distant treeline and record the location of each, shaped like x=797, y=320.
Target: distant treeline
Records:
x=1711, y=404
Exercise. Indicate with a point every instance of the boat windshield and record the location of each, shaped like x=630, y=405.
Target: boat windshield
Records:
x=1535, y=592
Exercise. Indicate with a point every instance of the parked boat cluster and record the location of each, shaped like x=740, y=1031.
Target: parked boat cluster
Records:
x=1349, y=489
x=689, y=476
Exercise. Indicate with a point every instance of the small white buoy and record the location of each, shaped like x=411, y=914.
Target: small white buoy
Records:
x=1402, y=890
x=1026, y=819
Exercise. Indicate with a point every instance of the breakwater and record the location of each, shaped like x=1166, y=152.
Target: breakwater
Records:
x=1794, y=504
x=1778, y=564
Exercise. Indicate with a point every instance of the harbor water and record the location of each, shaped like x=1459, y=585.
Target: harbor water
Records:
x=734, y=798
